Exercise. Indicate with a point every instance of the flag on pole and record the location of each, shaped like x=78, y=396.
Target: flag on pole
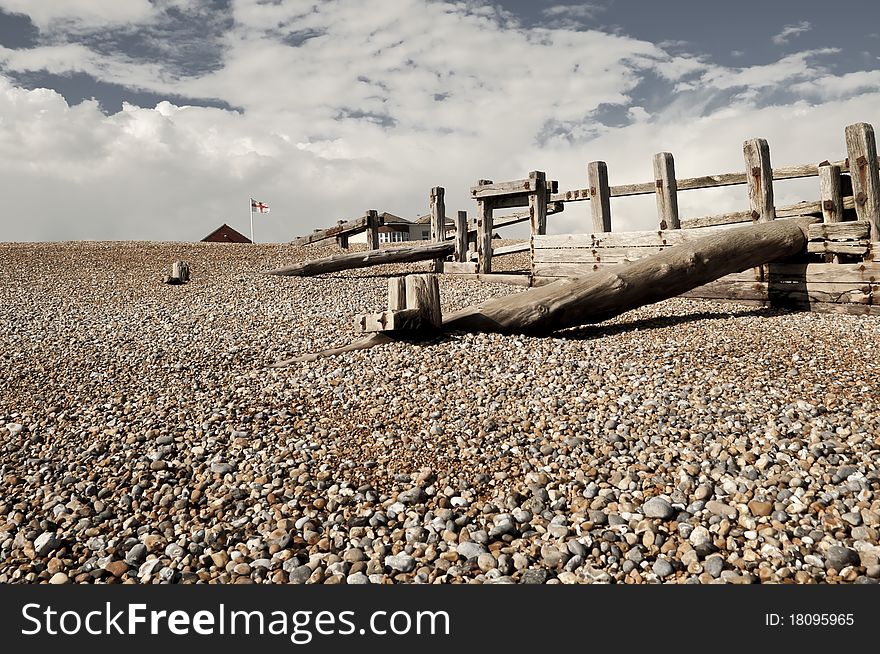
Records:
x=258, y=206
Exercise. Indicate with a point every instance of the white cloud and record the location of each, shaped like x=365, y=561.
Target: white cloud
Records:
x=447, y=94
x=81, y=13
x=791, y=30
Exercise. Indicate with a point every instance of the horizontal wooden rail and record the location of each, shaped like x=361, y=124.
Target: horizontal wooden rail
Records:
x=342, y=229
x=691, y=183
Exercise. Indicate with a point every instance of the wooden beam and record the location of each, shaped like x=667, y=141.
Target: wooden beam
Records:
x=460, y=267
x=515, y=187
x=423, y=294
x=854, y=248
x=508, y=249
x=350, y=227
x=605, y=294
x=756, y=153
x=461, y=237
x=373, y=223
x=861, y=148
x=600, y=205
x=830, y=195
x=852, y=230
x=438, y=220
x=788, y=211
x=538, y=203
x=390, y=321
x=353, y=260
x=396, y=293
x=484, y=236
x=693, y=183
x=666, y=191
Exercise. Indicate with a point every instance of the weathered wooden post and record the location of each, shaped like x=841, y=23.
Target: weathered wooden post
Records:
x=413, y=304
x=484, y=231
x=438, y=220
x=342, y=239
x=600, y=196
x=423, y=294
x=461, y=237
x=760, y=180
x=831, y=199
x=861, y=148
x=666, y=191
x=373, y=229
x=179, y=273
x=396, y=294
x=830, y=193
x=538, y=203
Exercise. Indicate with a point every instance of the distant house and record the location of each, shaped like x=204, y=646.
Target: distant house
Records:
x=395, y=229
x=225, y=234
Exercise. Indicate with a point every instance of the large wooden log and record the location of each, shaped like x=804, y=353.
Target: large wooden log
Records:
x=611, y=291
x=365, y=259
x=608, y=293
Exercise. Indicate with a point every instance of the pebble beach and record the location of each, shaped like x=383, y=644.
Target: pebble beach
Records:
x=143, y=439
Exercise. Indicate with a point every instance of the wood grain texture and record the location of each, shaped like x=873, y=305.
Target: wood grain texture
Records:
x=607, y=293
x=600, y=196
x=852, y=230
x=756, y=153
x=353, y=260
x=349, y=227
x=861, y=148
x=423, y=295
x=438, y=220
x=461, y=237
x=485, y=227
x=396, y=294
x=460, y=267
x=666, y=190
x=830, y=195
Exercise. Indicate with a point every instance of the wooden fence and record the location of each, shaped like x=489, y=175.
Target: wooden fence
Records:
x=840, y=271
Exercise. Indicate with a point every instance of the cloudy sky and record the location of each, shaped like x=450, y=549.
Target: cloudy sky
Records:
x=159, y=119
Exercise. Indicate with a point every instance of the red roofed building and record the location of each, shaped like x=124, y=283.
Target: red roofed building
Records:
x=225, y=234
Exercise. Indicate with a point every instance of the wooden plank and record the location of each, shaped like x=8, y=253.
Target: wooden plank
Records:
x=830, y=195
x=373, y=223
x=693, y=183
x=515, y=187
x=508, y=249
x=423, y=295
x=461, y=237
x=349, y=227
x=859, y=248
x=854, y=273
x=538, y=203
x=666, y=190
x=438, y=220
x=484, y=236
x=390, y=321
x=512, y=279
x=337, y=262
x=596, y=255
x=600, y=205
x=788, y=211
x=861, y=148
x=459, y=267
x=396, y=294
x=623, y=239
x=852, y=230
x=756, y=153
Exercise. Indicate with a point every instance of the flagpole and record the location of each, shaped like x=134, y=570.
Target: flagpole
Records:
x=251, y=208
